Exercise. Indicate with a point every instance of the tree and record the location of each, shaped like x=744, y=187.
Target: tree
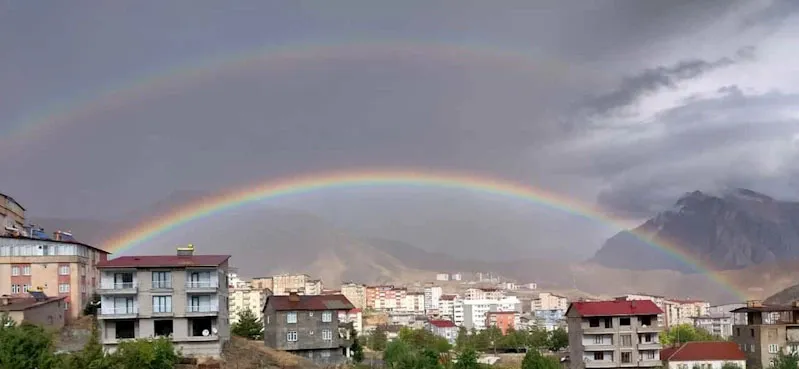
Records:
x=25, y=346
x=399, y=355
x=558, y=339
x=356, y=348
x=467, y=360
x=463, y=340
x=538, y=338
x=682, y=333
x=248, y=326
x=377, y=339
x=534, y=360
x=785, y=361
x=157, y=353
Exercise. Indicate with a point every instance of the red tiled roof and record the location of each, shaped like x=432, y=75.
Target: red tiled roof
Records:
x=157, y=261
x=309, y=302
x=615, y=307
x=703, y=351
x=354, y=311
x=442, y=323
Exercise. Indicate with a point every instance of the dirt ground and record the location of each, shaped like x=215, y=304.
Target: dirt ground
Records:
x=75, y=335
x=244, y=354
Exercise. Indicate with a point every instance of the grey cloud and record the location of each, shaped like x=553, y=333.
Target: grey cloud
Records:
x=651, y=80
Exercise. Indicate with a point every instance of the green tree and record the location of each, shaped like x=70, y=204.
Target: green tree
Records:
x=356, y=348
x=91, y=357
x=558, y=339
x=534, y=360
x=399, y=355
x=467, y=360
x=537, y=338
x=463, y=340
x=156, y=353
x=682, y=333
x=25, y=346
x=377, y=340
x=248, y=326
x=785, y=361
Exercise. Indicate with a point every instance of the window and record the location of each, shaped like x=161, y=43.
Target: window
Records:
x=773, y=348
x=647, y=338
x=645, y=320
x=125, y=329
x=598, y=339
x=648, y=355
x=26, y=287
x=325, y=353
x=63, y=288
x=291, y=336
x=162, y=304
x=752, y=332
x=162, y=328
x=327, y=317
x=26, y=270
x=291, y=317
x=626, y=357
x=609, y=323
x=626, y=340
x=14, y=270
x=327, y=335
x=624, y=321
x=737, y=331
x=162, y=280
x=599, y=355
x=593, y=322
x=63, y=270
x=15, y=288
x=794, y=348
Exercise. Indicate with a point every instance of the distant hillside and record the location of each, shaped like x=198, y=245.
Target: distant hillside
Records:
x=733, y=230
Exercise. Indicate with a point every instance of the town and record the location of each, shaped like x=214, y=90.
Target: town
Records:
x=198, y=302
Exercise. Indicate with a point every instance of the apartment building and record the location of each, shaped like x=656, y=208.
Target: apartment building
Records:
x=387, y=297
x=475, y=311
x=354, y=316
x=484, y=294
x=57, y=268
x=234, y=281
x=719, y=320
x=308, y=325
x=262, y=283
x=442, y=277
x=451, y=307
x=432, y=294
x=550, y=301
x=549, y=319
x=12, y=215
x=443, y=328
x=660, y=301
x=684, y=311
x=614, y=334
x=312, y=287
x=766, y=330
x=414, y=302
x=356, y=293
x=504, y=320
x=245, y=298
x=183, y=296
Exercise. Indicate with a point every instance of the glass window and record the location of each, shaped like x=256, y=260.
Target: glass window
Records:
x=63, y=288
x=291, y=336
x=773, y=349
x=15, y=288
x=291, y=317
x=327, y=335
x=327, y=316
x=26, y=270
x=626, y=357
x=15, y=270
x=63, y=270
x=26, y=287
x=162, y=280
x=162, y=304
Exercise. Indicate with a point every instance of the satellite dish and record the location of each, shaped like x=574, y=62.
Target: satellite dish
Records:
x=214, y=331
x=205, y=332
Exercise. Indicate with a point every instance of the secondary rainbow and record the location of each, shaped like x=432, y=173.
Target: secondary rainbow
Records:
x=371, y=178
x=152, y=85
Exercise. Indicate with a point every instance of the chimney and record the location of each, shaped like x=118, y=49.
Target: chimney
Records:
x=186, y=251
x=294, y=296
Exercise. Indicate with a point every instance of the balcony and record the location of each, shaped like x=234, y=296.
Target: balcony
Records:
x=590, y=363
x=590, y=346
x=118, y=288
x=203, y=286
x=649, y=346
x=161, y=285
x=202, y=310
x=597, y=330
x=127, y=312
x=649, y=363
x=652, y=328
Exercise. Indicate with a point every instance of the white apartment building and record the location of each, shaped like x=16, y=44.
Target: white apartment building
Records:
x=451, y=307
x=474, y=311
x=413, y=302
x=456, y=276
x=659, y=301
x=549, y=301
x=356, y=293
x=484, y=294
x=442, y=277
x=684, y=311
x=241, y=299
x=313, y=287
x=354, y=316
x=432, y=294
x=282, y=284
x=235, y=282
x=183, y=297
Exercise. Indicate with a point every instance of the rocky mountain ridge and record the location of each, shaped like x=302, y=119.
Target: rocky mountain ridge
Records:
x=730, y=230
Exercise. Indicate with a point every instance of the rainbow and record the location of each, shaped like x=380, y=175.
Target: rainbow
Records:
x=152, y=85
x=370, y=178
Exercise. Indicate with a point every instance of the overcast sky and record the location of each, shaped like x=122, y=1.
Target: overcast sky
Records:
x=626, y=104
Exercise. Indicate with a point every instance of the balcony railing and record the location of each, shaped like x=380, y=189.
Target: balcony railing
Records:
x=117, y=285
x=202, y=309
x=202, y=284
x=125, y=310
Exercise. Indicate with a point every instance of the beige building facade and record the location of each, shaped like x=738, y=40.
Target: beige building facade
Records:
x=57, y=268
x=12, y=215
x=184, y=297
x=246, y=298
x=766, y=331
x=356, y=293
x=549, y=301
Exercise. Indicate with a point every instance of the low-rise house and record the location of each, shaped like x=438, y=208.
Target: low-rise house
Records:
x=444, y=328
x=705, y=355
x=36, y=309
x=309, y=326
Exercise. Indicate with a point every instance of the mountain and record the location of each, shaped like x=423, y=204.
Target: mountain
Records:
x=731, y=230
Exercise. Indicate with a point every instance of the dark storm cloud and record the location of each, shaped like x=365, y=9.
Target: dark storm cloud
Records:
x=654, y=79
